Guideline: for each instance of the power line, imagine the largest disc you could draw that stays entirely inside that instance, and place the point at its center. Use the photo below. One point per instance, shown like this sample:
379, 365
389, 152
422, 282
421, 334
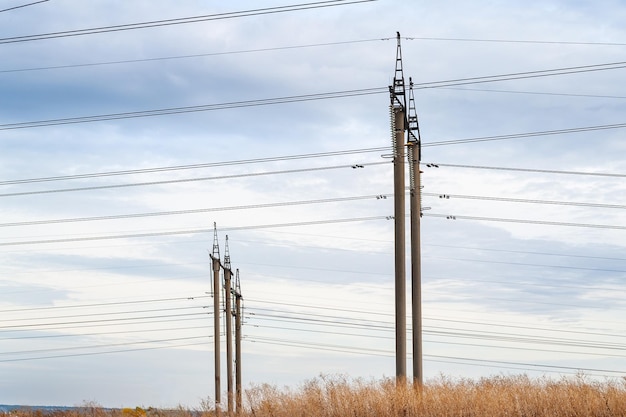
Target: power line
446, 342
73, 355
194, 231
182, 180
312, 45
310, 97
521, 200
108, 313
194, 211
168, 58
23, 5
540, 171
106, 333
370, 351
115, 322
422, 38
522, 75
526, 221
92, 322
192, 109
529, 252
176, 339
306, 223
116, 303
542, 93
183, 20
527, 134
462, 322
196, 166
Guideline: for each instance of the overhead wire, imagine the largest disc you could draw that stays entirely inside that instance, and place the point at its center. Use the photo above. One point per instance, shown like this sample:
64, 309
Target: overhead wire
195, 211
312, 45
528, 41
23, 5
183, 20
526, 135
197, 166
539, 93
195, 231
193, 109
521, 75
108, 345
380, 352
106, 333
201, 55
74, 355
526, 221
104, 304
119, 320
445, 196
309, 223
187, 180
309, 97
530, 170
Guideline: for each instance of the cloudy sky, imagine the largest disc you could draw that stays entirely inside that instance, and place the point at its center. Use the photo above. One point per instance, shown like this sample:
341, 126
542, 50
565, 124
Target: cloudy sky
128, 128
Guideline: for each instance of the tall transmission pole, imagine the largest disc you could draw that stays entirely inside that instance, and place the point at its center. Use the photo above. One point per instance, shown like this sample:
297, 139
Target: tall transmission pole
229, 326
238, 314
215, 258
414, 154
397, 110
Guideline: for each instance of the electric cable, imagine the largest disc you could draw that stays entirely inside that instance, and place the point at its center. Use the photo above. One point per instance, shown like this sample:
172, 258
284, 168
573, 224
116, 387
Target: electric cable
539, 93
139, 342
108, 313
187, 180
91, 322
525, 221
312, 97
361, 350
107, 333
522, 200
530, 170
200, 55
522, 75
423, 38
183, 20
197, 166
196, 231
74, 355
193, 109
103, 304
23, 5
526, 135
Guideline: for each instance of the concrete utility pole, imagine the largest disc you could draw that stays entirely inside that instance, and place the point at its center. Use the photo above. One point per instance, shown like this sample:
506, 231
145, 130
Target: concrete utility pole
415, 204
400, 256
215, 257
398, 107
238, 313
229, 326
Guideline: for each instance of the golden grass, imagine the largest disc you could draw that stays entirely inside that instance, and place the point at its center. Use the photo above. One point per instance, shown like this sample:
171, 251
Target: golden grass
342, 397
488, 397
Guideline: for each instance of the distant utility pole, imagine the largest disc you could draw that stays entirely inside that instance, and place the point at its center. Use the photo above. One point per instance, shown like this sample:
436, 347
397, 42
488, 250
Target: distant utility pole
397, 110
229, 326
415, 149
238, 313
215, 258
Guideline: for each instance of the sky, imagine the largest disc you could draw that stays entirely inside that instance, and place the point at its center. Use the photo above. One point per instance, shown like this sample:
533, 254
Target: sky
121, 147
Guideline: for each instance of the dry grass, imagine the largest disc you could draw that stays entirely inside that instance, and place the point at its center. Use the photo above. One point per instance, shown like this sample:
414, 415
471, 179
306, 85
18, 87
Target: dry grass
490, 397
341, 397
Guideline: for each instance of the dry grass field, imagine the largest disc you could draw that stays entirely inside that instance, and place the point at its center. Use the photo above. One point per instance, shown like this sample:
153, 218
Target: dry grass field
490, 397
340, 397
